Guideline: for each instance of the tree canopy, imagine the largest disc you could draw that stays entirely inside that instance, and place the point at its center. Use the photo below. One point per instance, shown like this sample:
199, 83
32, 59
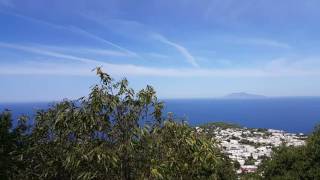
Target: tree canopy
113, 133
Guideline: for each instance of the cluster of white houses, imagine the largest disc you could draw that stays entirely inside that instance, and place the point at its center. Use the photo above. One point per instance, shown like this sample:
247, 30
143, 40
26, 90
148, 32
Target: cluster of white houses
250, 146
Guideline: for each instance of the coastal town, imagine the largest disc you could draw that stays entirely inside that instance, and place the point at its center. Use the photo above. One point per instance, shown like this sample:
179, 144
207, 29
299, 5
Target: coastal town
249, 146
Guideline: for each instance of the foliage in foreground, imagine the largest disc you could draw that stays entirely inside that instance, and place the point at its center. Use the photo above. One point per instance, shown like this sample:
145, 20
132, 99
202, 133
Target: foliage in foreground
295, 162
114, 133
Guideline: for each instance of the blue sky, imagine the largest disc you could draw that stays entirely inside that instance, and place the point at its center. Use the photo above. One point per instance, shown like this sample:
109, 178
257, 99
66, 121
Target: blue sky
184, 48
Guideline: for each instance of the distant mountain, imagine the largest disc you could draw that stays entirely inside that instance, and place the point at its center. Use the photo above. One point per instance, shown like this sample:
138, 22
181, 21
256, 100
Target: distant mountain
243, 95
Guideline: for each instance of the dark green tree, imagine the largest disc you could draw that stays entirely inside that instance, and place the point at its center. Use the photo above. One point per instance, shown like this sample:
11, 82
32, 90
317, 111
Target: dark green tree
114, 133
301, 162
285, 163
176, 151
12, 143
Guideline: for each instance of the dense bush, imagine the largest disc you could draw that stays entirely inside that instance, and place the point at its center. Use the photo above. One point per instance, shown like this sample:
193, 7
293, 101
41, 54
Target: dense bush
114, 133
295, 162
12, 145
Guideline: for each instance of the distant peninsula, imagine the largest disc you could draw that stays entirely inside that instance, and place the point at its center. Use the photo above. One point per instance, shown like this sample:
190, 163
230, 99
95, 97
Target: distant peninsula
243, 95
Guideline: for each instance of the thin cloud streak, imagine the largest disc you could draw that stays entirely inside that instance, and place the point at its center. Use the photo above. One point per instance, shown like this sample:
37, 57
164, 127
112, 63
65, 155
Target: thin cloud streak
88, 50
106, 52
275, 68
184, 52
77, 30
84, 69
100, 39
134, 70
157, 55
145, 30
120, 70
45, 52
262, 42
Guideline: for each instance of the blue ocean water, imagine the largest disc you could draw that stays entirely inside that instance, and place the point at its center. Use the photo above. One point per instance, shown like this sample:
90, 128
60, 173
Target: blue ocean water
19, 109
289, 114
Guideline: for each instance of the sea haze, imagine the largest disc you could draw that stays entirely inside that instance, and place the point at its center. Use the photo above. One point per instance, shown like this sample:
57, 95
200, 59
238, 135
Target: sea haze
289, 114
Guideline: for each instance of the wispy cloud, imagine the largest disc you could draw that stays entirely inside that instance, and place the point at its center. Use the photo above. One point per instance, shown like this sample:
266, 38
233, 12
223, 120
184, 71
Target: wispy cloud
127, 26
86, 50
78, 31
82, 66
42, 51
294, 64
183, 51
41, 68
106, 52
36, 68
100, 39
261, 42
157, 55
120, 70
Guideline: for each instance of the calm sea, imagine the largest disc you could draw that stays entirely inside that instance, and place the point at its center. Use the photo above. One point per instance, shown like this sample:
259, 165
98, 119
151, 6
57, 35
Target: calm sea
289, 114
